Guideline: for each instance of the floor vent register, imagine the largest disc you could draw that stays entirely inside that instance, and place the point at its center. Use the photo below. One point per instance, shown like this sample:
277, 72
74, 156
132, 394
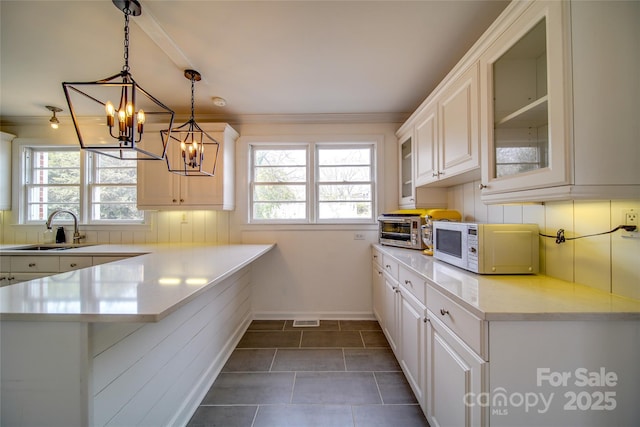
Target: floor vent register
306, 323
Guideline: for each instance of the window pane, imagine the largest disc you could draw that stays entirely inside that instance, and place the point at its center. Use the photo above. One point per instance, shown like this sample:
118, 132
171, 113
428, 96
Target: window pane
280, 174
116, 176
344, 192
344, 173
280, 157
345, 210
279, 211
117, 212
342, 156
40, 211
56, 176
279, 193
54, 194
56, 159
117, 201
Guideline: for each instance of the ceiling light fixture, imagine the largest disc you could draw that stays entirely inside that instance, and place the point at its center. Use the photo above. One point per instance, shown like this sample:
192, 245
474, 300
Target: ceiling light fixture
90, 103
219, 102
191, 140
53, 121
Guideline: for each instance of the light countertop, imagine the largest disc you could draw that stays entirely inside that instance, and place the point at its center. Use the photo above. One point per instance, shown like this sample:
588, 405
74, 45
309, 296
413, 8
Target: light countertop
149, 285
516, 297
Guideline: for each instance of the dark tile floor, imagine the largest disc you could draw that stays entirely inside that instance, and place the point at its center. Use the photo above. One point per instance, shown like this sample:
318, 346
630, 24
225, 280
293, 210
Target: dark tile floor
341, 373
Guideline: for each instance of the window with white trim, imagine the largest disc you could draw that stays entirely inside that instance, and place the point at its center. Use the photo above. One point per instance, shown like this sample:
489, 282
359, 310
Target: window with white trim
98, 189
312, 182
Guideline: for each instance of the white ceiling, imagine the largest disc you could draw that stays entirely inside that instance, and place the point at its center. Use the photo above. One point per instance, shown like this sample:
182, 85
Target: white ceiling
275, 58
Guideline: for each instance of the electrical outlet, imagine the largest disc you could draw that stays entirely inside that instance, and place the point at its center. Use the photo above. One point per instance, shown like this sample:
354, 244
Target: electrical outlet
630, 217
358, 236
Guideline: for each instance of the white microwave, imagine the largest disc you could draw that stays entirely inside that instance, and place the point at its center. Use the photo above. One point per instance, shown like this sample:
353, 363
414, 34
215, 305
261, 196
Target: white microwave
488, 248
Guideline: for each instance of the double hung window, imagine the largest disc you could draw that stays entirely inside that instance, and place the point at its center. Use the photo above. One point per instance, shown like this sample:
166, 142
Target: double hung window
98, 189
312, 182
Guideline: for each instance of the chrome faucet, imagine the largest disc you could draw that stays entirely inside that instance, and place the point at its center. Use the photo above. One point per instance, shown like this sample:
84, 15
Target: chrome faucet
76, 234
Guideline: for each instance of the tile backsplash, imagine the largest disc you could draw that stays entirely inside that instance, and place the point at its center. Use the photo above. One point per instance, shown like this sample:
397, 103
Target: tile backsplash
163, 227
609, 262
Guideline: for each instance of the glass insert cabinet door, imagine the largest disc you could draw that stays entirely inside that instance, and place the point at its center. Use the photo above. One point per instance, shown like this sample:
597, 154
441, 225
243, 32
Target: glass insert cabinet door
520, 106
526, 118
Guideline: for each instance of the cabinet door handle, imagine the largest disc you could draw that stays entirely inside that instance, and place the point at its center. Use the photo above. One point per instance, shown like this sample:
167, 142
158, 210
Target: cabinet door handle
379, 273
408, 282
32, 264
73, 264
181, 200
175, 200
481, 186
388, 267
426, 319
444, 312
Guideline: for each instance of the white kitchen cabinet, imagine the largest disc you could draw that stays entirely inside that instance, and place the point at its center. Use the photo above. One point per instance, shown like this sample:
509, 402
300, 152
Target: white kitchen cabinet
159, 189
70, 263
454, 372
561, 102
5, 170
427, 145
378, 286
412, 341
447, 133
410, 195
20, 268
503, 368
458, 123
391, 303
407, 185
16, 269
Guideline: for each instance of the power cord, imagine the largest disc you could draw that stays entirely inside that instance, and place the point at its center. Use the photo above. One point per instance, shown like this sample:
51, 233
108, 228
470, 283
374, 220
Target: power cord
561, 239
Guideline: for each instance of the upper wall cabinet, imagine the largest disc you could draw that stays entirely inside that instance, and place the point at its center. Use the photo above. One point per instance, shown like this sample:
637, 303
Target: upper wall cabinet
527, 132
447, 133
558, 101
560, 119
407, 185
5, 170
411, 196
159, 189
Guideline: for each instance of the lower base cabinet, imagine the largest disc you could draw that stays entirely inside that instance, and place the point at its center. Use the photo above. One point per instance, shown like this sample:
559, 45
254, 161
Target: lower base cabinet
412, 341
580, 370
454, 378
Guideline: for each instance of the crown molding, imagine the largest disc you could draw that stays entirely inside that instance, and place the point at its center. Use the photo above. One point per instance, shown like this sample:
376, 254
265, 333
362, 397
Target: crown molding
239, 119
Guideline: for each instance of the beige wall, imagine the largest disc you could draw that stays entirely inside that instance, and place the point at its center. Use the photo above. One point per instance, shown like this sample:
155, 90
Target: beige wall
609, 262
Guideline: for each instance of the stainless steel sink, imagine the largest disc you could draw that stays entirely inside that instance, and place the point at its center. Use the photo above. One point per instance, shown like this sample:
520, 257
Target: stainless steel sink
52, 247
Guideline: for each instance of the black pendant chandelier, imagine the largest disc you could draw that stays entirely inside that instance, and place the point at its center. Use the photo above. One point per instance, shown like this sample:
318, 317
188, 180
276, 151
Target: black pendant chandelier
122, 105
186, 154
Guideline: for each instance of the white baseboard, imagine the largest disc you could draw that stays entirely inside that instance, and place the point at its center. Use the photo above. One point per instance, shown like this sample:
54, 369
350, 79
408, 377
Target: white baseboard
306, 315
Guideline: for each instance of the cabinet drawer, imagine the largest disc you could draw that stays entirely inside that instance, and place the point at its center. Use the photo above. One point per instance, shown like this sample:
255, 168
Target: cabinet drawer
390, 266
464, 324
413, 283
68, 263
376, 256
31, 264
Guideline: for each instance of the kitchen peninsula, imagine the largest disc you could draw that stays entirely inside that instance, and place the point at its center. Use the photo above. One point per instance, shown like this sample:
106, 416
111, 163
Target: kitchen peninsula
136, 341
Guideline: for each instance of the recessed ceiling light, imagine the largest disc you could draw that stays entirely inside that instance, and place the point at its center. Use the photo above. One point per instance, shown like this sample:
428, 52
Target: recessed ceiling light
219, 102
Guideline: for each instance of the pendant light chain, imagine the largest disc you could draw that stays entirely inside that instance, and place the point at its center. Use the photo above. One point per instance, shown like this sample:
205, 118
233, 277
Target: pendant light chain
125, 67
193, 78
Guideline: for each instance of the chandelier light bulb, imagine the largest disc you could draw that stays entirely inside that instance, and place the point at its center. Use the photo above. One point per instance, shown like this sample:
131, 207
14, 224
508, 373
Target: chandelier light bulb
111, 112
